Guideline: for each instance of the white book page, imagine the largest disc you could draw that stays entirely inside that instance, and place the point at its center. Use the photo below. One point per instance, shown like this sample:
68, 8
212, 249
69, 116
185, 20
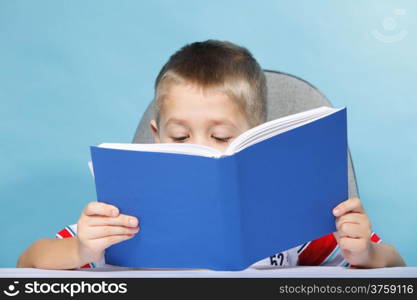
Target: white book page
277, 126
190, 149
91, 168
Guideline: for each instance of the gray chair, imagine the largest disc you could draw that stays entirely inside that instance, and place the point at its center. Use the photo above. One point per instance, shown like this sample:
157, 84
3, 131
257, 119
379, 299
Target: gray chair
287, 94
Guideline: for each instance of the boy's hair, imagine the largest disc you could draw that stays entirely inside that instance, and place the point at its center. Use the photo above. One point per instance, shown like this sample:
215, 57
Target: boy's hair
220, 66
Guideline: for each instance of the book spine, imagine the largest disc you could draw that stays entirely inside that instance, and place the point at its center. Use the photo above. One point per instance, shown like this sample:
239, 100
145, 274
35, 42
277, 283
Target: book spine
231, 214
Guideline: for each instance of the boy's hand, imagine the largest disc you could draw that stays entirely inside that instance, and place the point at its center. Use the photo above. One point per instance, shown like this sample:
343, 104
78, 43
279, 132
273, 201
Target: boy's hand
353, 231
100, 226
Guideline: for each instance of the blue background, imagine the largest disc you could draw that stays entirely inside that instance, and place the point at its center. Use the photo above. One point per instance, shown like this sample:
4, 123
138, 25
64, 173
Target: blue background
78, 73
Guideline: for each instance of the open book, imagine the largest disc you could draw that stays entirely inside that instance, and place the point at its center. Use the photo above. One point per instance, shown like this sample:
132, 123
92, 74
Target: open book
272, 189
246, 139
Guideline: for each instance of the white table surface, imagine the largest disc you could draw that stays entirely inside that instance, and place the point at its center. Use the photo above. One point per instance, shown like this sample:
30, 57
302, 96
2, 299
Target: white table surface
292, 272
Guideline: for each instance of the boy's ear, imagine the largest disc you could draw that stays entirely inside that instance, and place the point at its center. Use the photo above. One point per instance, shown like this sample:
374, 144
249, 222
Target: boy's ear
154, 129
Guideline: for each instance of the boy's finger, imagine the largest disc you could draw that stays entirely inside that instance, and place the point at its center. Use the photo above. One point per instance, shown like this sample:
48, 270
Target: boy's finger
351, 218
336, 236
351, 244
120, 220
352, 230
350, 205
102, 209
97, 232
114, 239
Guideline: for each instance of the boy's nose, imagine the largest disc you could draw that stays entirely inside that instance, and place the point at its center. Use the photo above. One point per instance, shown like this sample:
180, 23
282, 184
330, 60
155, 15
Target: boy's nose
200, 141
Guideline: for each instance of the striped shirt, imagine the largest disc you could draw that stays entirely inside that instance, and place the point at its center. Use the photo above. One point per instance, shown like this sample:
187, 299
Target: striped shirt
323, 251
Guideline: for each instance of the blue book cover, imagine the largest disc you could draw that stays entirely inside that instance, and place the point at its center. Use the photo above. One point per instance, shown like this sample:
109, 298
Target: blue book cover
226, 213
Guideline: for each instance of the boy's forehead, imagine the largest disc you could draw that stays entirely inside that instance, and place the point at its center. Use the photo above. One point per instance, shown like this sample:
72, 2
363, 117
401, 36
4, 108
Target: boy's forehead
183, 103
189, 95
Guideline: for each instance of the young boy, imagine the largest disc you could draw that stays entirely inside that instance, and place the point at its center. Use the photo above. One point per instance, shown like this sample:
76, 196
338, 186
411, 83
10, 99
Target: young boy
209, 93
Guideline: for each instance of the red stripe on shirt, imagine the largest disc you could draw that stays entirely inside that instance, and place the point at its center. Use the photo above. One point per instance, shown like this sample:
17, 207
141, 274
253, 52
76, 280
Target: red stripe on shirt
317, 251
86, 266
375, 238
65, 233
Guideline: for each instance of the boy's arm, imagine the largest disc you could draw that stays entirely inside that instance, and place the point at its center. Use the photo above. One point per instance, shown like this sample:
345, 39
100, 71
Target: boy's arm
100, 226
381, 255
52, 254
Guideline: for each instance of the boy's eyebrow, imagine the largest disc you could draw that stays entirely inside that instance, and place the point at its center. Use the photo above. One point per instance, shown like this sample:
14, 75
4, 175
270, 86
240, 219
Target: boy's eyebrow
176, 121
213, 121
223, 121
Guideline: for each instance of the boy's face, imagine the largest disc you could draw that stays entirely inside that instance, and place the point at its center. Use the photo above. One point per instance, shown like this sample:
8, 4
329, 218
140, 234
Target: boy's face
188, 115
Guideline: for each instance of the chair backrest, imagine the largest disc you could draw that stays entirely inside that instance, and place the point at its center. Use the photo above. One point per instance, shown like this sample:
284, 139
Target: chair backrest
287, 94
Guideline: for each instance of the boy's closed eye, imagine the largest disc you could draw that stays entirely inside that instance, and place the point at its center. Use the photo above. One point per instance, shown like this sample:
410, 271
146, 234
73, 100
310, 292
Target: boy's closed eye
179, 139
222, 139
217, 138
